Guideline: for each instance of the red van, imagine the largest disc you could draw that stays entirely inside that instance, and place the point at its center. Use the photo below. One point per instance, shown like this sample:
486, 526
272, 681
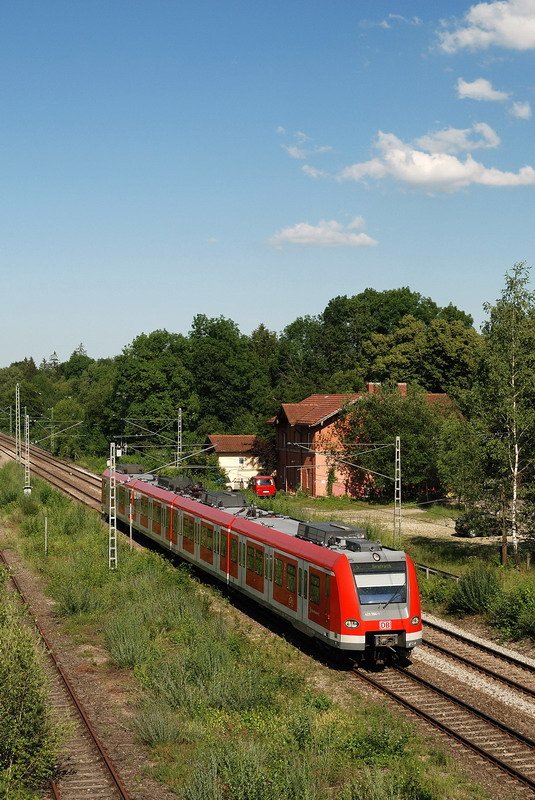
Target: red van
263, 486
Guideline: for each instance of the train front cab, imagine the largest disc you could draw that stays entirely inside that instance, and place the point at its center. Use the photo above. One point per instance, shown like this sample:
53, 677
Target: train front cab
380, 604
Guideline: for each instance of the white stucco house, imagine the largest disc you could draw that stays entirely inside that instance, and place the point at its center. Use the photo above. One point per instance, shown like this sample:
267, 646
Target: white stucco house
235, 458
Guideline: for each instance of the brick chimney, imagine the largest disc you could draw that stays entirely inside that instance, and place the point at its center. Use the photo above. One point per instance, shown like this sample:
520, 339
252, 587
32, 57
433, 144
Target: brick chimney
374, 388
402, 389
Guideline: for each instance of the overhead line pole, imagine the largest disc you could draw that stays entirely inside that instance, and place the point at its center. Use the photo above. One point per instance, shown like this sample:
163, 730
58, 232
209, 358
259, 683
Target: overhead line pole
27, 484
179, 437
397, 495
17, 424
112, 512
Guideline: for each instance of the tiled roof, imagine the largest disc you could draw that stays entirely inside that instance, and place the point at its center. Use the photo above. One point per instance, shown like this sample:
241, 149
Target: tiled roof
318, 407
232, 444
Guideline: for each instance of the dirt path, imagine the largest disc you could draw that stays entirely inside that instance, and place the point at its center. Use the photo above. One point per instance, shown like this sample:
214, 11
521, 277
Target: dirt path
413, 521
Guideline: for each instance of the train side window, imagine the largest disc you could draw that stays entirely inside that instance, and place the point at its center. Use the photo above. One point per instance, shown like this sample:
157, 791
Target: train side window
268, 566
176, 523
300, 582
207, 536
305, 584
224, 548
290, 578
279, 567
157, 513
188, 528
315, 590
250, 558
259, 562
234, 551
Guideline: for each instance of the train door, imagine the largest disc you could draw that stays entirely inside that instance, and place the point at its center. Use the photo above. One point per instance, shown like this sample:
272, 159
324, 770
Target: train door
285, 578
144, 513
166, 528
229, 555
206, 537
319, 589
188, 534
156, 518
176, 528
121, 502
254, 566
302, 590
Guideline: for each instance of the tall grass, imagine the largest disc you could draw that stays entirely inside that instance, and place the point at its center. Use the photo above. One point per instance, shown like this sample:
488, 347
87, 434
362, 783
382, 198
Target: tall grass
229, 716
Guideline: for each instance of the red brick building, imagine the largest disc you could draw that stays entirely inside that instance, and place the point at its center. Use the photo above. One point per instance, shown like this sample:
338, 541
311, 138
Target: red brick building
305, 434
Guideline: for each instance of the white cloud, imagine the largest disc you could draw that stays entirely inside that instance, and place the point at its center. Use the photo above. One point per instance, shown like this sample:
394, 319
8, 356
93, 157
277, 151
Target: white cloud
300, 150
280, 130
505, 23
294, 151
521, 110
480, 89
308, 169
391, 18
457, 140
435, 171
327, 233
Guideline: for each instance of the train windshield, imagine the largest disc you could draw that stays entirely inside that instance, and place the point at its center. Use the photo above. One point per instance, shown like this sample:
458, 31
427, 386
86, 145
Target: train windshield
380, 582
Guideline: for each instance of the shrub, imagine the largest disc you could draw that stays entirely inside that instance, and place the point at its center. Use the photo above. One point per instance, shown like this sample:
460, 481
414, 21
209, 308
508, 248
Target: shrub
156, 724
513, 612
28, 741
476, 591
437, 590
127, 639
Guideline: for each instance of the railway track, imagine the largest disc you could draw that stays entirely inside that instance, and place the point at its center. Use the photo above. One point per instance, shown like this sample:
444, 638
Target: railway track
504, 747
511, 751
85, 768
500, 665
75, 482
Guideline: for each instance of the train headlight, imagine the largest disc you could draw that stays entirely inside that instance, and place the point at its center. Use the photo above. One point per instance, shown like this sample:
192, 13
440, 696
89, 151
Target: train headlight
351, 623
415, 620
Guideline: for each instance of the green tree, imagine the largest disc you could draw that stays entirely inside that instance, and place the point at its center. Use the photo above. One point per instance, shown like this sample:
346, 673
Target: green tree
440, 355
505, 391
461, 459
228, 376
376, 421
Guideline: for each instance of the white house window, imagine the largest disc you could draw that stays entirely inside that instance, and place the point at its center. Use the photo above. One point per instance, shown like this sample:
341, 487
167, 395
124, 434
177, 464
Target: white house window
241, 461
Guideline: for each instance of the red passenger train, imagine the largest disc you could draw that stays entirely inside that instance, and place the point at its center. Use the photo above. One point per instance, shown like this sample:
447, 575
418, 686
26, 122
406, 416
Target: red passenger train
326, 579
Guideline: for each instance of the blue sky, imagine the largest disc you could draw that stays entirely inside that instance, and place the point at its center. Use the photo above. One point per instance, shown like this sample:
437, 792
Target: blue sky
255, 159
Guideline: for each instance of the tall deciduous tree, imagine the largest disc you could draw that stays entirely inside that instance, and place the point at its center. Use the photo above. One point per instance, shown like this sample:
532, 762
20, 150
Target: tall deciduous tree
376, 420
506, 389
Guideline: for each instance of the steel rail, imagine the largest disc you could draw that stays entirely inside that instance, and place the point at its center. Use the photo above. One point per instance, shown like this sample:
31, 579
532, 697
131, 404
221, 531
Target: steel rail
509, 658
504, 766
71, 691
481, 668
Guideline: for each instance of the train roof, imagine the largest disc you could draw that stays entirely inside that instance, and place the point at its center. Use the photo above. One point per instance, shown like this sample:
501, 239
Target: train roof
322, 543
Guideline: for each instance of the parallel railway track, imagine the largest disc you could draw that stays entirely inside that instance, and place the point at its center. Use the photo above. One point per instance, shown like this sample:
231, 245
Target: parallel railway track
74, 481
512, 751
509, 750
85, 770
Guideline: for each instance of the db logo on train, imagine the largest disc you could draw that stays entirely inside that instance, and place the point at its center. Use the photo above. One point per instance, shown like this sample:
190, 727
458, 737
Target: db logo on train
385, 625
